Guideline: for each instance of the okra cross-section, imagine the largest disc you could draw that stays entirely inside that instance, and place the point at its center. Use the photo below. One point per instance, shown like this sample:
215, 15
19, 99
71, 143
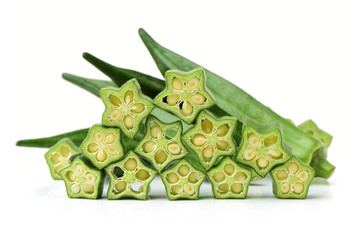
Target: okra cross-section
211, 138
229, 180
185, 94
129, 178
311, 128
82, 180
182, 181
58, 157
262, 147
161, 143
102, 146
125, 107
292, 179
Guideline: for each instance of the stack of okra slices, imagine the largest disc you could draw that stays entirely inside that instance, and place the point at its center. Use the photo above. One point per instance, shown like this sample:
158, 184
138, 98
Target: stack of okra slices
192, 126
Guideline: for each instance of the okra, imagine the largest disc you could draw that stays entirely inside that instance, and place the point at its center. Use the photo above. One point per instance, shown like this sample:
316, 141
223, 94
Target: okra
58, 157
229, 180
292, 179
211, 138
102, 146
262, 147
182, 181
125, 107
161, 143
82, 180
235, 101
311, 128
129, 178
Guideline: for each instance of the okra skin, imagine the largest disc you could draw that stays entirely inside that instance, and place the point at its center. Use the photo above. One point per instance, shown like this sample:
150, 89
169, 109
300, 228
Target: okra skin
310, 127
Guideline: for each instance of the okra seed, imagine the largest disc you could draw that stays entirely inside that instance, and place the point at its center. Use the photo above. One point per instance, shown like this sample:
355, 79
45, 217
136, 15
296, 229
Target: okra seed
93, 147
262, 162
114, 100
149, 146
240, 177
120, 186
177, 84
303, 175
189, 189
79, 170
199, 139
90, 177
254, 141
110, 138
130, 164
193, 84
75, 188
172, 178
172, 99
101, 155
187, 108
155, 131
207, 152
55, 158
58, 168
292, 168
115, 115
193, 177
229, 169
64, 151
128, 96
176, 189
138, 108
88, 188
142, 174
281, 175
206, 126
236, 188
71, 176
174, 148
285, 187
249, 154
270, 140
222, 145
112, 150
197, 99
129, 121
298, 187
275, 153
160, 156
184, 170
222, 130
99, 137
223, 187
141, 188
219, 176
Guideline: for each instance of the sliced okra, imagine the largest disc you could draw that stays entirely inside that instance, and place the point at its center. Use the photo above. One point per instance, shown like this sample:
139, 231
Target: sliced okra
185, 94
262, 147
229, 180
311, 128
211, 138
182, 181
125, 107
58, 157
129, 178
292, 179
82, 180
161, 143
102, 146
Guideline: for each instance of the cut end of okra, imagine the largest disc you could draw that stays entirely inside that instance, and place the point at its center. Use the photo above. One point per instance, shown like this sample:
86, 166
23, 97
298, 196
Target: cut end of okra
125, 107
102, 146
229, 180
185, 94
292, 179
82, 180
161, 143
129, 178
58, 157
182, 181
211, 138
311, 128
262, 147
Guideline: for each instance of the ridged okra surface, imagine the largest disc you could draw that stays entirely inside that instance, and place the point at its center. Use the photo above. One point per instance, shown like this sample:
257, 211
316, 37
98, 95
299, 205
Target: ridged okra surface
229, 180
185, 94
58, 157
182, 181
161, 143
82, 180
262, 147
125, 107
311, 128
211, 138
292, 179
102, 146
129, 178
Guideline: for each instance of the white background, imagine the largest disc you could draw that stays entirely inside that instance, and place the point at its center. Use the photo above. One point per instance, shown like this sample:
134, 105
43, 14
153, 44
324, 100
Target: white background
298, 57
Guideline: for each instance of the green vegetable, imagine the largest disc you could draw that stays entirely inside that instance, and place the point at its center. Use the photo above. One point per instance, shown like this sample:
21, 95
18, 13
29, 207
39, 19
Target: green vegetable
229, 180
182, 181
58, 157
262, 147
185, 94
311, 128
129, 178
125, 107
211, 138
292, 179
102, 146
82, 180
235, 101
161, 143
